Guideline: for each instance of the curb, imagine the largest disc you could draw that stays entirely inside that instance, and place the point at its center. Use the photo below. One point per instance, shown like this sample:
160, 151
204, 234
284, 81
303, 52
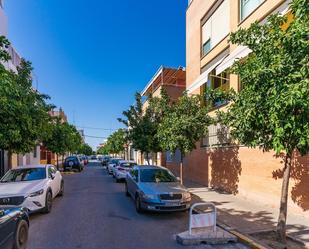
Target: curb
244, 238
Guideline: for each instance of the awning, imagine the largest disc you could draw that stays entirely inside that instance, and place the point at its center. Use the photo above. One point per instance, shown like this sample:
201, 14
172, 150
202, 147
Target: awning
203, 78
238, 53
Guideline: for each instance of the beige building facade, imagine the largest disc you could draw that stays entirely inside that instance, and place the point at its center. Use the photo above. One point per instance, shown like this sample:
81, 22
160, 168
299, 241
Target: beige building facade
173, 81
216, 162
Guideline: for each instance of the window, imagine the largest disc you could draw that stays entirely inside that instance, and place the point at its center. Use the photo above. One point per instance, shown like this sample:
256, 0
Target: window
51, 171
247, 7
24, 175
206, 47
134, 174
220, 81
218, 135
211, 34
157, 175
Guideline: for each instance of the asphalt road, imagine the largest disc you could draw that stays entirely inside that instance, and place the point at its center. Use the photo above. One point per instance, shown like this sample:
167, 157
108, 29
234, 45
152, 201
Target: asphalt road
94, 213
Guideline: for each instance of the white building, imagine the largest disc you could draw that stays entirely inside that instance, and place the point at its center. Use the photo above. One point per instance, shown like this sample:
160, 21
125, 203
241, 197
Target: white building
29, 158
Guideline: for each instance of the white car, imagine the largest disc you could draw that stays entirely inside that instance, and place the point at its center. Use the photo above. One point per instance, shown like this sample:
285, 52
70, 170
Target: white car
112, 163
31, 187
122, 168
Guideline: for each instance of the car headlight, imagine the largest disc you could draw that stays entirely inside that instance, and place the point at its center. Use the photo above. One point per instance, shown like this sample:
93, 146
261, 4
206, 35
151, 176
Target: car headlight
186, 195
36, 193
150, 197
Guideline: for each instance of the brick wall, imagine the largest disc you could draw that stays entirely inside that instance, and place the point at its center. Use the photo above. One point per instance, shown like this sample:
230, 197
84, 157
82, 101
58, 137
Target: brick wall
249, 172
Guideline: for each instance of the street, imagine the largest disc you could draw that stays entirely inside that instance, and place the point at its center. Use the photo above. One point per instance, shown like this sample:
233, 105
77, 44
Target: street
95, 213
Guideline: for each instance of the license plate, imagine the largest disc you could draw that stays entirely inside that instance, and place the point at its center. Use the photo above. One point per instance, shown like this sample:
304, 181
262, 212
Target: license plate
172, 204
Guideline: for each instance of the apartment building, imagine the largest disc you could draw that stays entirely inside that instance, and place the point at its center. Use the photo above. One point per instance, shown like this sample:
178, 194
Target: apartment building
12, 64
217, 162
173, 81
46, 156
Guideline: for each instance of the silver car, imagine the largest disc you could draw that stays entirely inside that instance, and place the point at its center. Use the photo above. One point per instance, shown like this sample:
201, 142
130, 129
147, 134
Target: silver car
155, 188
112, 163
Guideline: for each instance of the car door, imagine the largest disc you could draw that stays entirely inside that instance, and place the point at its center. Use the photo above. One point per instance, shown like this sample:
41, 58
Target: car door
133, 181
7, 229
57, 178
52, 181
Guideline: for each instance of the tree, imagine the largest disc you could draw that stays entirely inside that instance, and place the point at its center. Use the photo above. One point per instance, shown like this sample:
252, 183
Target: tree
62, 138
143, 124
104, 150
116, 141
85, 149
272, 110
185, 124
23, 111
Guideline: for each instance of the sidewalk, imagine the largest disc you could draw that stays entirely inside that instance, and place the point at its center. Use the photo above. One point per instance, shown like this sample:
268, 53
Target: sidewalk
249, 217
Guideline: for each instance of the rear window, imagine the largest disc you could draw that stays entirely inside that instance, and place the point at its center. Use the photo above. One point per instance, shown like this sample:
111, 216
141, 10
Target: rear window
127, 165
72, 158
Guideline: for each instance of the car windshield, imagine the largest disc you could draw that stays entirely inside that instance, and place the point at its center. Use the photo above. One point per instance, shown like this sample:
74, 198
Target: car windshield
127, 165
24, 175
157, 175
114, 161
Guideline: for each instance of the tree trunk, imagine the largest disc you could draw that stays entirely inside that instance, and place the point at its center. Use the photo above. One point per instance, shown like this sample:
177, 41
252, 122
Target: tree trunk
181, 168
147, 158
281, 226
10, 159
57, 161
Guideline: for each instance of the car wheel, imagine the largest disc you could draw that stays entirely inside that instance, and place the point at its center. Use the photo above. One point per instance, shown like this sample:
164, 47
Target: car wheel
79, 169
21, 235
117, 180
61, 192
126, 190
138, 204
48, 203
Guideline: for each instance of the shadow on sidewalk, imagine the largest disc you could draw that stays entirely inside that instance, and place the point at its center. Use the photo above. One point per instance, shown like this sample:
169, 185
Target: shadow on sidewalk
252, 222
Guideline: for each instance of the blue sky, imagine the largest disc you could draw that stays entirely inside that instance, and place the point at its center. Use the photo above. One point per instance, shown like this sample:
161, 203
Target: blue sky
92, 56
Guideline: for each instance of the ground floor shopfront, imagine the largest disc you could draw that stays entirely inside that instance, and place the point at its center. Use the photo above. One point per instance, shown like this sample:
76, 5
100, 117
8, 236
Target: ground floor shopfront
252, 173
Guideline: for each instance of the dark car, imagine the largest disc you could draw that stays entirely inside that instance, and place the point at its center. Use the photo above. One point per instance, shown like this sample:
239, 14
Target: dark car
105, 160
71, 163
14, 226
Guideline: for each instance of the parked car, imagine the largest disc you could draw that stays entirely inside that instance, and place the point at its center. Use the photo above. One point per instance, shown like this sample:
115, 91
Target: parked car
105, 160
14, 227
73, 162
112, 163
83, 159
155, 188
122, 168
32, 187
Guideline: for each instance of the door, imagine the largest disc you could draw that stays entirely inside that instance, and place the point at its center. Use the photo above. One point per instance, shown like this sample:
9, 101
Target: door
53, 180
133, 182
7, 229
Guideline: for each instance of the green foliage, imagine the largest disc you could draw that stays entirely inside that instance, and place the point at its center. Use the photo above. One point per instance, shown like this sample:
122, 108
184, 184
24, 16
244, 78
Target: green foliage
23, 111
185, 123
104, 150
143, 124
272, 110
63, 138
85, 149
115, 143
